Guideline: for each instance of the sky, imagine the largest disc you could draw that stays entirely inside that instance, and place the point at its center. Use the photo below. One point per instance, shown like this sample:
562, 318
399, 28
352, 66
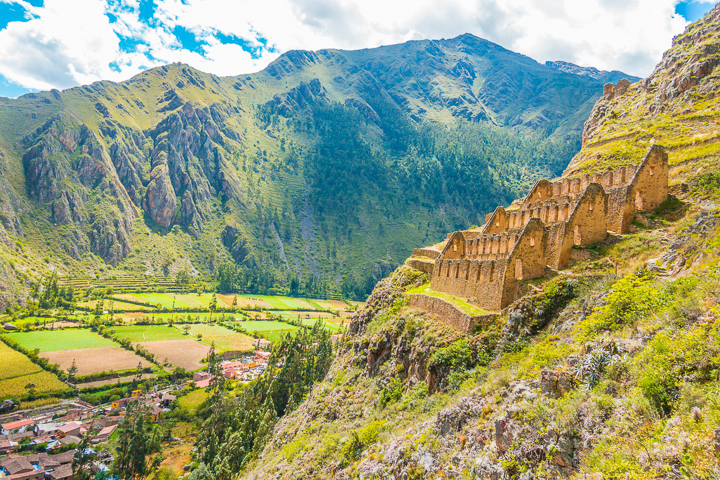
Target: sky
47, 44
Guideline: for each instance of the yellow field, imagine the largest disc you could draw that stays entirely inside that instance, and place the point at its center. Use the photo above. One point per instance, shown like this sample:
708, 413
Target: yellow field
15, 364
42, 382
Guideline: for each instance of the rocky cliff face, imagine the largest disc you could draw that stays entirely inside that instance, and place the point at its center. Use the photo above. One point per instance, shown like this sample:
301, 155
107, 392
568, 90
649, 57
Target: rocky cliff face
68, 170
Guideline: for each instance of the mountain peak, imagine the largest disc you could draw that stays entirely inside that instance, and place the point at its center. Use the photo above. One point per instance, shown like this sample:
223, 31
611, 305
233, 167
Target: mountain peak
591, 72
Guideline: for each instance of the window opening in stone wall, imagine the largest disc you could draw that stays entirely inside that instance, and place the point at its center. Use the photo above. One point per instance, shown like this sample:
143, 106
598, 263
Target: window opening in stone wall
457, 271
492, 271
447, 272
518, 269
639, 201
592, 206
532, 241
578, 235
652, 171
467, 272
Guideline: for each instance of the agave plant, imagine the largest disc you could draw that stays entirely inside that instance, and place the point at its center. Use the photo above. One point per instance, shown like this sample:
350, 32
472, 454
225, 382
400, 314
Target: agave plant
599, 356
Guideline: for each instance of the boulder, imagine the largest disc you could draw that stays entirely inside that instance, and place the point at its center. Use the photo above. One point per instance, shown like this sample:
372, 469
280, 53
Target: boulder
556, 383
10, 327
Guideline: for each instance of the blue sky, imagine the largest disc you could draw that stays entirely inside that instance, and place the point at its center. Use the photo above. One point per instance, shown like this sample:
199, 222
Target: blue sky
62, 43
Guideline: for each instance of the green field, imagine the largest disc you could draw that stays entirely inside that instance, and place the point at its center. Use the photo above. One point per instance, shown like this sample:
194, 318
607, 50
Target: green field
148, 333
163, 299
57, 340
36, 383
223, 338
271, 330
309, 319
202, 301
193, 400
309, 322
15, 364
312, 303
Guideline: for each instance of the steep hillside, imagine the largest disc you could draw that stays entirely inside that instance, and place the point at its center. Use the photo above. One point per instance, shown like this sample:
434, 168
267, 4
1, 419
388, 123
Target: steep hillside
676, 106
327, 166
605, 369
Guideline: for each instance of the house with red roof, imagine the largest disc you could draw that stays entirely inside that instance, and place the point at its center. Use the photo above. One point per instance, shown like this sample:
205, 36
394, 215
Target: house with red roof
15, 427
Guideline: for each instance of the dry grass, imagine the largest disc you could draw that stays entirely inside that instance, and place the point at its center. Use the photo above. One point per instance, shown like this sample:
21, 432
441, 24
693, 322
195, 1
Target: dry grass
186, 354
96, 360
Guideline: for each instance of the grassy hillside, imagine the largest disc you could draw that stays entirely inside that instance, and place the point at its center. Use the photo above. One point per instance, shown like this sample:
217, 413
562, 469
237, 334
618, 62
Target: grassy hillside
319, 173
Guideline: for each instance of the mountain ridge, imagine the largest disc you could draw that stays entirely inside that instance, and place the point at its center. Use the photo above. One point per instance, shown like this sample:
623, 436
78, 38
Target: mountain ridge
288, 157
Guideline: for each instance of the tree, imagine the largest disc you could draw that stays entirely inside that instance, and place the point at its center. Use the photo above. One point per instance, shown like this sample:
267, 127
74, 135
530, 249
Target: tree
213, 303
82, 464
183, 277
137, 440
72, 371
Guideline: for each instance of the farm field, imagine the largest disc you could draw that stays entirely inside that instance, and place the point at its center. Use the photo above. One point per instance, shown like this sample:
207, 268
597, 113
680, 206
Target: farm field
147, 333
114, 381
163, 299
269, 329
334, 328
194, 399
224, 338
55, 340
332, 323
186, 353
41, 382
117, 305
96, 360
244, 300
42, 322
15, 364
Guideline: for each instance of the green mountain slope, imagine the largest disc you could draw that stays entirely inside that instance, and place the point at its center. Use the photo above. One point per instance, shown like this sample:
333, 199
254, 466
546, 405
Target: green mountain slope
326, 167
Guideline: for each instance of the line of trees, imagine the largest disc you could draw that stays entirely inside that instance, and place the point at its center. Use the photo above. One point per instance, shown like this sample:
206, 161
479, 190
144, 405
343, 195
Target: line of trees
235, 430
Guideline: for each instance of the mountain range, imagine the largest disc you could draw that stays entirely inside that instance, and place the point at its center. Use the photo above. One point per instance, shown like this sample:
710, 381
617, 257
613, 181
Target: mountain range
326, 167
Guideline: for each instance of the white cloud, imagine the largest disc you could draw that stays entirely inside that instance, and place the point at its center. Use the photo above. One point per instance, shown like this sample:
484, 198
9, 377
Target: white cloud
72, 41
66, 42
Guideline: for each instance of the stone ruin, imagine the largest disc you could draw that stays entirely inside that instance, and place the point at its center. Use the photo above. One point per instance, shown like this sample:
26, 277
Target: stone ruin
610, 90
485, 265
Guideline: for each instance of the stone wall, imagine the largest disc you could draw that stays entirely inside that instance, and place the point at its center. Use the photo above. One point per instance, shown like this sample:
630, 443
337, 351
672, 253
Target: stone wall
485, 265
646, 188
423, 266
480, 281
426, 252
491, 283
449, 313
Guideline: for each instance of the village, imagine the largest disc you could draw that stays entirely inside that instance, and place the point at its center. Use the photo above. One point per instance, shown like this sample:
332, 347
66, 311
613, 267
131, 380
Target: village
40, 444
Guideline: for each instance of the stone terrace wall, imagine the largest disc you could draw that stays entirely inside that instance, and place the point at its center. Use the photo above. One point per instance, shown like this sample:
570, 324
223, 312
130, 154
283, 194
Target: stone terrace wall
426, 252
421, 265
448, 312
481, 281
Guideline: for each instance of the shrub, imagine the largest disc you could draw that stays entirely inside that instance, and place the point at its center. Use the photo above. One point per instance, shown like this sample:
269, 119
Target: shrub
391, 392
632, 297
361, 439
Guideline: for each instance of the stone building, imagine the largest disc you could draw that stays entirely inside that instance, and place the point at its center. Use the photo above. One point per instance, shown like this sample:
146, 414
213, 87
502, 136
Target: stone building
485, 265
